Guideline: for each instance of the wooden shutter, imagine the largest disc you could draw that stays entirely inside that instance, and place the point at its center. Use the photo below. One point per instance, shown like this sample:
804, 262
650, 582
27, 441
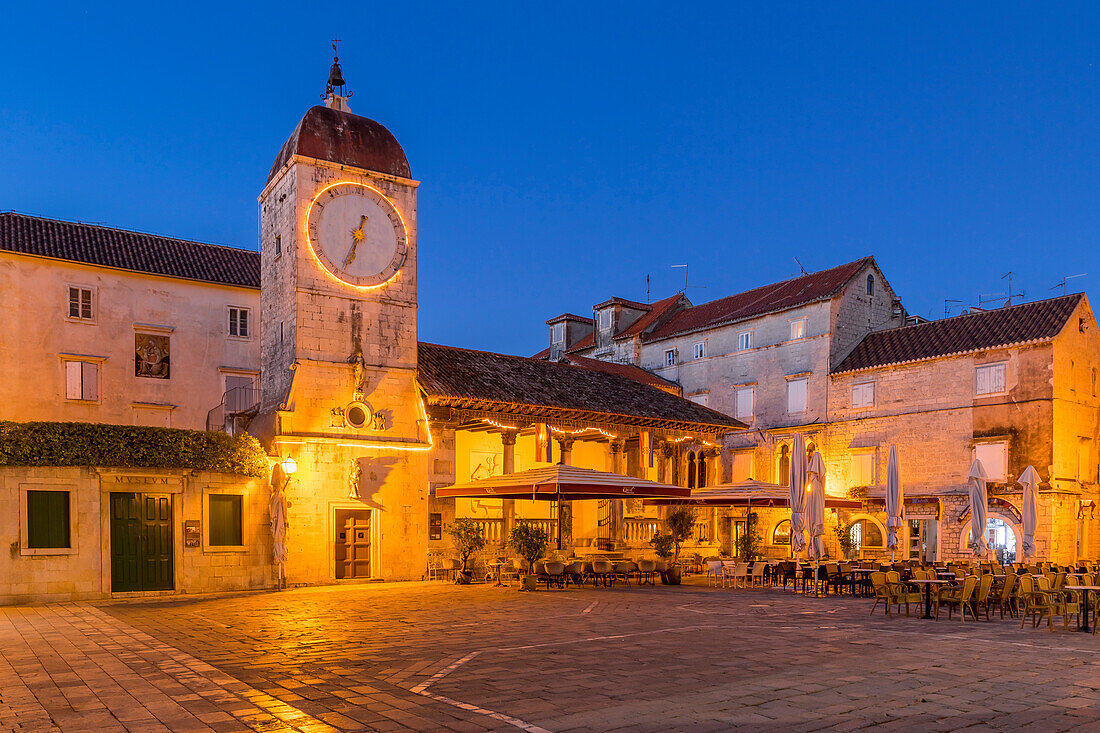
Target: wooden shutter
73, 380
89, 379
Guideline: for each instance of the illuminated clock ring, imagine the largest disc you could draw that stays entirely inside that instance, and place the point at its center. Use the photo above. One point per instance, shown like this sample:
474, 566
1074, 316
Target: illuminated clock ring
356, 234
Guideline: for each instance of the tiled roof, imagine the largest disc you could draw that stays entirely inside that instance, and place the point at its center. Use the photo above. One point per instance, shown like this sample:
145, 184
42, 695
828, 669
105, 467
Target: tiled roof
627, 370
624, 302
345, 138
657, 313
126, 250
758, 301
1017, 324
569, 317
462, 377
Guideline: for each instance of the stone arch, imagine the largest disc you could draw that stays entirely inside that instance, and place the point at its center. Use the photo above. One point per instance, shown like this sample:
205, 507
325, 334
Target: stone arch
873, 520
783, 464
1009, 520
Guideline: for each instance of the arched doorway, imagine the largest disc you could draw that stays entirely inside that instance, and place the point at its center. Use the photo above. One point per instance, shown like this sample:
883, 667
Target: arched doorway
1001, 534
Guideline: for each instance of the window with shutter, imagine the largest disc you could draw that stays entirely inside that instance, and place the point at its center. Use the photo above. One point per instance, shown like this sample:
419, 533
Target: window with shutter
742, 466
863, 469
81, 380
744, 341
47, 519
239, 322
746, 398
796, 396
994, 459
863, 395
989, 379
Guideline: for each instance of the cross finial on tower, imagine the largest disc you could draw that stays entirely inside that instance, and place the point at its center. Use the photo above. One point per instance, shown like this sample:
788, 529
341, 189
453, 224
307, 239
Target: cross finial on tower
333, 98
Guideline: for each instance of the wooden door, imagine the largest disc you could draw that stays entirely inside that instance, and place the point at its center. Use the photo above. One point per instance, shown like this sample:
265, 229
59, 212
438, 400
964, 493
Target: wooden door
353, 543
141, 542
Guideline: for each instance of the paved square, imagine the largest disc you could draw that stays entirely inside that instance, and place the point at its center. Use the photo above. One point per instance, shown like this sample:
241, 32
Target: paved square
441, 657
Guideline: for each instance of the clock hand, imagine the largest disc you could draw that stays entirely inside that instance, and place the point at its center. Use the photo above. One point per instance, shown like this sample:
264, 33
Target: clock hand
357, 236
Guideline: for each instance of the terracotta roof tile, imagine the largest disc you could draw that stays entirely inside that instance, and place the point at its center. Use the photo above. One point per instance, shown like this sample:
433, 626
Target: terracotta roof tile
345, 138
627, 370
126, 250
758, 301
658, 312
452, 376
1017, 324
569, 317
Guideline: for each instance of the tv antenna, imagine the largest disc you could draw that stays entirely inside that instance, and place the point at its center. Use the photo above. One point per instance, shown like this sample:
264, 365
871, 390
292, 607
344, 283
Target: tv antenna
686, 286
800, 267
948, 303
1011, 295
1062, 283
647, 288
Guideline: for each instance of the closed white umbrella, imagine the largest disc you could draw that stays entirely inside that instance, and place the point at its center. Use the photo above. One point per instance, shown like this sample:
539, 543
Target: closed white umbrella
798, 493
978, 506
1030, 481
815, 506
895, 501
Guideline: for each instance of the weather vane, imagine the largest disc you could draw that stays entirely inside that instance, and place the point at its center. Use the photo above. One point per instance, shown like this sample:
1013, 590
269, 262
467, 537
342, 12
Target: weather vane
336, 75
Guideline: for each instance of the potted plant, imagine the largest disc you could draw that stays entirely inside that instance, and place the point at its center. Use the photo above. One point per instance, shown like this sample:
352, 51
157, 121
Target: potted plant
662, 544
530, 543
843, 532
680, 523
748, 544
467, 539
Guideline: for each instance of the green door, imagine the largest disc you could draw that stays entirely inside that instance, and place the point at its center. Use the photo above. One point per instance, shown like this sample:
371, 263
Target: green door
141, 542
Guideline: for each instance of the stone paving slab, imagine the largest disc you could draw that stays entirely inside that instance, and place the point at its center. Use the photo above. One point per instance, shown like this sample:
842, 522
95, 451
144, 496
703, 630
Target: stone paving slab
438, 657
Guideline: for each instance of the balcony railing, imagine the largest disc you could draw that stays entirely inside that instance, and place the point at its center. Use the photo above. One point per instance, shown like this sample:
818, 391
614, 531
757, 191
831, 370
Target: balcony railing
493, 529
237, 407
640, 531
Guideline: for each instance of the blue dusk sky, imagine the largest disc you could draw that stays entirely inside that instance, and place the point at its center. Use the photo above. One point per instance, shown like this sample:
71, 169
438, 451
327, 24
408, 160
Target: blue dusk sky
568, 150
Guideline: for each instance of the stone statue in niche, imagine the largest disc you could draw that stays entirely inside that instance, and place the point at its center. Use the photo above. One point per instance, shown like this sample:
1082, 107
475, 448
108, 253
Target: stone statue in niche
358, 364
354, 477
151, 356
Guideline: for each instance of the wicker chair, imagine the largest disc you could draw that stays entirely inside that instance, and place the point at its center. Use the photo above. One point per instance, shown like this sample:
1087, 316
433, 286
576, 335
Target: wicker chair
881, 591
900, 592
961, 595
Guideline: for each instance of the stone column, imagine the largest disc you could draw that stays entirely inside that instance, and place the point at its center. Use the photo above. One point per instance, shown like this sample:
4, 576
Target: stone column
565, 508
659, 458
566, 446
717, 473
508, 506
617, 458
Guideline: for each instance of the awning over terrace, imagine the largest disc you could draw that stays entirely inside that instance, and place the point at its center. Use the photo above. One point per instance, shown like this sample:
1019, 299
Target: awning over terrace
563, 483
748, 493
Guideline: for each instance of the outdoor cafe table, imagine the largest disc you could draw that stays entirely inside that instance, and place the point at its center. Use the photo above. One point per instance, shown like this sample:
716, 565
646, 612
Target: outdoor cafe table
864, 582
496, 566
1084, 625
928, 594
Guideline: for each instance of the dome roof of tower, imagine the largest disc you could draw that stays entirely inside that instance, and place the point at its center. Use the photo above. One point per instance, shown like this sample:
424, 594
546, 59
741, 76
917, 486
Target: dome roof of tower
344, 138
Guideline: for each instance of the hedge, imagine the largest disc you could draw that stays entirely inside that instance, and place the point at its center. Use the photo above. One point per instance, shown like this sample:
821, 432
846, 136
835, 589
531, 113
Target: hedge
128, 446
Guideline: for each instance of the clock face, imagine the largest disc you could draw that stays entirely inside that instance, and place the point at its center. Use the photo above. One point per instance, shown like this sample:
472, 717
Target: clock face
357, 234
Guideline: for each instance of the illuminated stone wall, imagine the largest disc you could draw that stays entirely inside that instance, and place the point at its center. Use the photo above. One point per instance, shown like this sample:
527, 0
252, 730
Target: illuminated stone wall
83, 571
36, 332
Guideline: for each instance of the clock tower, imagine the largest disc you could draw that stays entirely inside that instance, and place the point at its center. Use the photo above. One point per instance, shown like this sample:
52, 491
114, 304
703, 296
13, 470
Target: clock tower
338, 306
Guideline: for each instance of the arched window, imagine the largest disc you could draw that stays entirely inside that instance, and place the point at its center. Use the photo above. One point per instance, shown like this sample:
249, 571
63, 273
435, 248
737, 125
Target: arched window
781, 535
866, 533
783, 467
701, 472
870, 284
691, 469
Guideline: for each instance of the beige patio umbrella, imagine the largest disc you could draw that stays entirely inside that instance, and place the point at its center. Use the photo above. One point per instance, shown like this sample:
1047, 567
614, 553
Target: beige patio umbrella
798, 493
895, 501
1029, 480
978, 506
560, 483
815, 512
815, 507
